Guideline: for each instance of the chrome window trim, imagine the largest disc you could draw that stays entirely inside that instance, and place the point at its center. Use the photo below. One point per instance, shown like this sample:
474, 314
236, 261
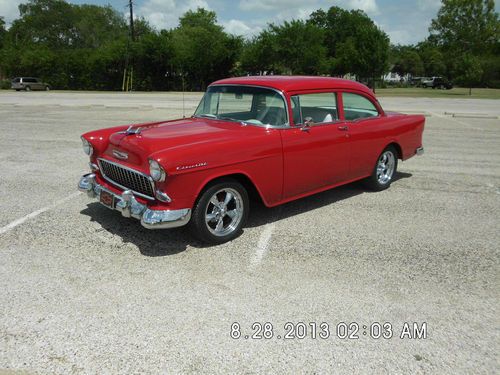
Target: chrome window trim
363, 119
281, 93
124, 187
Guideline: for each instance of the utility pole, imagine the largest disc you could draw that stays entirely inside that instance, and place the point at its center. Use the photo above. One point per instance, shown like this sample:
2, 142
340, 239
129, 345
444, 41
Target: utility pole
128, 72
132, 33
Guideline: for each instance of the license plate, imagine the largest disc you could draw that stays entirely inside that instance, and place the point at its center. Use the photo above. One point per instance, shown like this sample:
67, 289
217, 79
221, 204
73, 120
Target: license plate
107, 199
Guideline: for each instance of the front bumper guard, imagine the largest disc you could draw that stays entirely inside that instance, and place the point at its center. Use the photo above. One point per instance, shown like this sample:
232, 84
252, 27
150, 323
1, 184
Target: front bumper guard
130, 207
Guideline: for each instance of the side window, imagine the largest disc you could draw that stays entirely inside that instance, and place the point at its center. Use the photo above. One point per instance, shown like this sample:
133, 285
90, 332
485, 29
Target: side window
357, 106
320, 108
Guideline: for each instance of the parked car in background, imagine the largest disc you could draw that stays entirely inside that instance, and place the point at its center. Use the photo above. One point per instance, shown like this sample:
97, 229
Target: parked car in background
275, 138
418, 81
28, 84
437, 83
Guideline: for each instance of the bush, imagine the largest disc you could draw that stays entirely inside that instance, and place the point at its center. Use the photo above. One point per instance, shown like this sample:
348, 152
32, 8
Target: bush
4, 84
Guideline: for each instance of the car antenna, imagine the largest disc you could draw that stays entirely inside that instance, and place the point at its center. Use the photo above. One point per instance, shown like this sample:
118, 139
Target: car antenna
183, 88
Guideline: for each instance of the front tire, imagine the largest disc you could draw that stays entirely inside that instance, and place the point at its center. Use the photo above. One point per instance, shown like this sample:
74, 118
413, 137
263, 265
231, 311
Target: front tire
28, 88
384, 171
220, 212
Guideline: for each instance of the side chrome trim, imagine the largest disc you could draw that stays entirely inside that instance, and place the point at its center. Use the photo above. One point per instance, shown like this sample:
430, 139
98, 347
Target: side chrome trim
124, 187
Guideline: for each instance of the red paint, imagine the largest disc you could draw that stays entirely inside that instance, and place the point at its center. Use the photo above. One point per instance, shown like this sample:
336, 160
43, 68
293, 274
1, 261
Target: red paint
282, 163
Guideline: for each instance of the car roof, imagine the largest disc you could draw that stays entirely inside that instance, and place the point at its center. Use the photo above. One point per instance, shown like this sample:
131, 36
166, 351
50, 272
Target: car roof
294, 83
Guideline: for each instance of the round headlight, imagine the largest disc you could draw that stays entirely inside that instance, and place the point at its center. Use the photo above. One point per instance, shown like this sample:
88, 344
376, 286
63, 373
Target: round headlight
156, 171
87, 147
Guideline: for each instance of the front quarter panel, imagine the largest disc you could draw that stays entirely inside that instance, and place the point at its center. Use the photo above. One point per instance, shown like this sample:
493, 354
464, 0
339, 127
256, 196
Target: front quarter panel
256, 154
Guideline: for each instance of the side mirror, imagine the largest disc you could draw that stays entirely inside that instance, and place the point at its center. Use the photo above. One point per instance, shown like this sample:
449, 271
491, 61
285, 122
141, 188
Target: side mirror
308, 122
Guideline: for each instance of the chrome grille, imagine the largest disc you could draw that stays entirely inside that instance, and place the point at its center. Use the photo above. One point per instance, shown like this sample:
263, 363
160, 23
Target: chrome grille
127, 178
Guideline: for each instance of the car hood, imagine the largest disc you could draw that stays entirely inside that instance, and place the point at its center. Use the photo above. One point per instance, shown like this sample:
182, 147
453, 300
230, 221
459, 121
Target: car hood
177, 138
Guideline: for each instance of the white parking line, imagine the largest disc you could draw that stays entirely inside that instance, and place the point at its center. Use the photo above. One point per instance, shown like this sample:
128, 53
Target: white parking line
468, 126
21, 220
263, 245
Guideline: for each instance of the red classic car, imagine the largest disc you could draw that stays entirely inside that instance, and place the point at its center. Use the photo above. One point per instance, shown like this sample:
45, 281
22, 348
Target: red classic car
281, 138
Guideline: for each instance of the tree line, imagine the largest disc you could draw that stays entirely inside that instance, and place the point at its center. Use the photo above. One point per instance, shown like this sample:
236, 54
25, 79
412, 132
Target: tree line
87, 46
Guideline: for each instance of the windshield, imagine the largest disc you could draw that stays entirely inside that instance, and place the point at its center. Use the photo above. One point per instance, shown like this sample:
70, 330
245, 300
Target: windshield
253, 105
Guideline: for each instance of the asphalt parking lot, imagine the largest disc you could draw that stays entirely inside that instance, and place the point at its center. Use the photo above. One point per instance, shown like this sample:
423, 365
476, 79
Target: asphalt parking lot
84, 290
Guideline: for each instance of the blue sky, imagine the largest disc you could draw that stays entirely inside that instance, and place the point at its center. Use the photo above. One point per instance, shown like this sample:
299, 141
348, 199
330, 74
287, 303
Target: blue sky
404, 21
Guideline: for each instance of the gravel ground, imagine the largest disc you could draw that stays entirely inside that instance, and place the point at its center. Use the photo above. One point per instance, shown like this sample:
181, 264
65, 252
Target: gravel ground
84, 290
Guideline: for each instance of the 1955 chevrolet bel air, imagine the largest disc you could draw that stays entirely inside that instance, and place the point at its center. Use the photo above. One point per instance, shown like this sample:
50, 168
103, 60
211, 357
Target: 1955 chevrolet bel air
278, 137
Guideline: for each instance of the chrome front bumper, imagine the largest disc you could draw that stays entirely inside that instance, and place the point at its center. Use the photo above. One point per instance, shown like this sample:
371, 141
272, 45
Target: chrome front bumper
130, 207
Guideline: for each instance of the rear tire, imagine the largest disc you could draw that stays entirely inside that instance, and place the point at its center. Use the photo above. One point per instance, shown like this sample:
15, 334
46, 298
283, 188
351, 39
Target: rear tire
220, 212
47, 88
384, 170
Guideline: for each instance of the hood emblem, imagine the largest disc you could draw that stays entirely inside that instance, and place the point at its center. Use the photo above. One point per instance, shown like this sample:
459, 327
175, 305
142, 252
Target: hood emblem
120, 155
132, 130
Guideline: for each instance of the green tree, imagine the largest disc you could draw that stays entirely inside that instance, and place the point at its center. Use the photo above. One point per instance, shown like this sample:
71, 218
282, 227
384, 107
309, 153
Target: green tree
3, 31
466, 26
469, 71
63, 44
432, 59
152, 56
255, 57
45, 22
295, 47
354, 42
406, 60
203, 52
467, 32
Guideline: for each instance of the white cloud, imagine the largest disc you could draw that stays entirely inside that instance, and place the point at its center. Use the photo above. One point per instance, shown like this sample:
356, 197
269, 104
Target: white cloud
369, 6
266, 5
164, 14
425, 5
400, 36
238, 27
9, 9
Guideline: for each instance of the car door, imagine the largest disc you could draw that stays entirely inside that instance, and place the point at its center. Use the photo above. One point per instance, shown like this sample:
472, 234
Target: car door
38, 84
367, 131
316, 146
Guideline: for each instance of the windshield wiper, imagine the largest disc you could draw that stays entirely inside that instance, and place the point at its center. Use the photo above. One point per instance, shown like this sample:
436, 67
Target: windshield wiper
206, 115
209, 115
228, 118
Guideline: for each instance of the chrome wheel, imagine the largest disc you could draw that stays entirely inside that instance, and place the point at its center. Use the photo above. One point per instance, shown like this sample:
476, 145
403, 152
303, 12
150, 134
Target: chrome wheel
385, 167
224, 212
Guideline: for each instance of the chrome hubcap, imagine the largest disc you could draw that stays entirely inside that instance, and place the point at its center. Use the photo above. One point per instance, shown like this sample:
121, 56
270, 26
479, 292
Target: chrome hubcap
224, 212
385, 167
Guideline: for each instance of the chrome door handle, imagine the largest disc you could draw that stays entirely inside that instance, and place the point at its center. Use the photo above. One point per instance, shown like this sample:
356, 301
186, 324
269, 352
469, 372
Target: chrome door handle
343, 128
